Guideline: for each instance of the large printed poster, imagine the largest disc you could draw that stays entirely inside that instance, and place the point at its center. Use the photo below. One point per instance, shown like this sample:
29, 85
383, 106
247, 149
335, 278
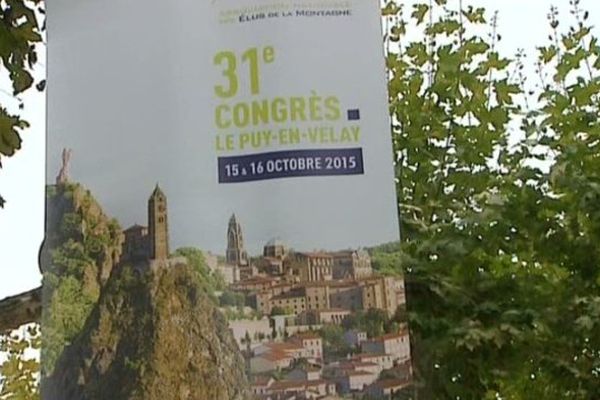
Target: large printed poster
221, 203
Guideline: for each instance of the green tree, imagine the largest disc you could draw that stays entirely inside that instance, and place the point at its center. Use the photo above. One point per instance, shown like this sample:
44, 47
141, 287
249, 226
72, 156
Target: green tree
231, 298
567, 223
277, 310
374, 322
210, 281
500, 255
20, 33
18, 373
334, 344
387, 258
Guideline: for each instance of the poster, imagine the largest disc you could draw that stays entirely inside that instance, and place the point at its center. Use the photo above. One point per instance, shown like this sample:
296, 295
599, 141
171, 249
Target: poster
220, 192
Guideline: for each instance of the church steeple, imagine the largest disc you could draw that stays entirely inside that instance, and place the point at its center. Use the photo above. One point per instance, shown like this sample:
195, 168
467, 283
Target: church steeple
236, 254
158, 227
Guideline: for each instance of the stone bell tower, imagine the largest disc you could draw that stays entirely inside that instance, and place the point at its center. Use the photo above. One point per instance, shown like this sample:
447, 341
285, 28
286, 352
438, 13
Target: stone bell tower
236, 254
158, 227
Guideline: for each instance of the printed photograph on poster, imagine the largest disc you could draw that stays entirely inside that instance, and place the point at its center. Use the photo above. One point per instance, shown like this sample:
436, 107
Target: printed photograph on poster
221, 219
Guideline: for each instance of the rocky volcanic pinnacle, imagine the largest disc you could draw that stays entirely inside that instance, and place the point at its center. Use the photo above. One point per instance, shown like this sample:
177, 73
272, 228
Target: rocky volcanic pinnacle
153, 335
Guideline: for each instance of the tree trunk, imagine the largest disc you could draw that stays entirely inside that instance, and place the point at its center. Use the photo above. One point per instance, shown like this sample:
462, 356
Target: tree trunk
21, 309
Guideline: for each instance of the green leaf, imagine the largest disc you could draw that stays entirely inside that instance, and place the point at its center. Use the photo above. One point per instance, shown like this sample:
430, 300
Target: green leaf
475, 15
505, 91
10, 139
418, 51
548, 54
420, 11
22, 80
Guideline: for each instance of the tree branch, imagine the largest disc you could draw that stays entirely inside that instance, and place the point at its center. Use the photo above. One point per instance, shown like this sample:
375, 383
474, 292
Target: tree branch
24, 308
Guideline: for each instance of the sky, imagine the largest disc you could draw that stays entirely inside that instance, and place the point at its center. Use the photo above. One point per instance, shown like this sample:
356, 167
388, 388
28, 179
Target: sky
150, 118
522, 24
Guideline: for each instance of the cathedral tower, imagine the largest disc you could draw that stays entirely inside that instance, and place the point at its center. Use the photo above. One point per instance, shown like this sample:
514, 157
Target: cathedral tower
236, 255
158, 228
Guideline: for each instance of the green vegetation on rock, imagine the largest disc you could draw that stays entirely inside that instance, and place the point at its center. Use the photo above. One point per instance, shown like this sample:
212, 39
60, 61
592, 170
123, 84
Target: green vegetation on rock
81, 248
210, 281
154, 335
230, 298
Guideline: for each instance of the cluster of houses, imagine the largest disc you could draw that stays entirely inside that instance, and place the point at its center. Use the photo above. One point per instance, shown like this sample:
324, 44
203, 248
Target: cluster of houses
296, 295
380, 368
320, 285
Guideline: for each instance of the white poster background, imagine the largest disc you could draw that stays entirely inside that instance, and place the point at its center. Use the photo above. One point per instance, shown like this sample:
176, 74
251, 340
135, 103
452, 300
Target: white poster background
131, 92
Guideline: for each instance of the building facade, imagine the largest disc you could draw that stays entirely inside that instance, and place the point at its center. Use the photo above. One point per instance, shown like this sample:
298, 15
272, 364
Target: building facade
310, 267
143, 243
352, 264
396, 345
136, 244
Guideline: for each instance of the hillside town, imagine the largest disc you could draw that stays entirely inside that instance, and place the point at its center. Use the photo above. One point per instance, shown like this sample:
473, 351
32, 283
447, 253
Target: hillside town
294, 316
295, 299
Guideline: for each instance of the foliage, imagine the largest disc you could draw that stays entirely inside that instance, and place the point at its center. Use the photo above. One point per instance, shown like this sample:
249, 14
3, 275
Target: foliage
78, 250
210, 281
278, 310
334, 344
374, 322
19, 372
67, 311
500, 254
231, 298
20, 32
238, 313
499, 239
386, 259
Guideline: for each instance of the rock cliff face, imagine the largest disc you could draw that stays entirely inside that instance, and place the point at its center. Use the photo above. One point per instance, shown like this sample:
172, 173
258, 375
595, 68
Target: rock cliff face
153, 335
81, 248
117, 332
75, 218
